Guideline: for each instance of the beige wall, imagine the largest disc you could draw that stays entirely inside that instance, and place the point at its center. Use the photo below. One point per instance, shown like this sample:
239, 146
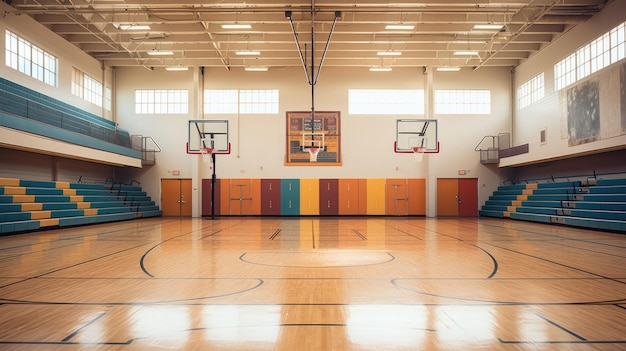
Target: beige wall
258, 141
68, 56
550, 112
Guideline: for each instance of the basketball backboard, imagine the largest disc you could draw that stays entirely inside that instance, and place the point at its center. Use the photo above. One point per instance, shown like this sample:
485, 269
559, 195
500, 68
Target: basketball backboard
208, 133
412, 133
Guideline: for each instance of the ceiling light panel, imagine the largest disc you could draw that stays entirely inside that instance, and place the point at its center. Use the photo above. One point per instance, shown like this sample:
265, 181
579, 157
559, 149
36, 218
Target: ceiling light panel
236, 26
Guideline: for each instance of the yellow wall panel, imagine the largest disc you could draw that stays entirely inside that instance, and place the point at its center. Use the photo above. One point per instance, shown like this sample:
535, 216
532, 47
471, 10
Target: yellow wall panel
309, 197
376, 196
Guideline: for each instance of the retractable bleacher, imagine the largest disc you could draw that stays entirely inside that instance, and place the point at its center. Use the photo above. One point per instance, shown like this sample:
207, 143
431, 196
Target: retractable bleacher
591, 203
27, 205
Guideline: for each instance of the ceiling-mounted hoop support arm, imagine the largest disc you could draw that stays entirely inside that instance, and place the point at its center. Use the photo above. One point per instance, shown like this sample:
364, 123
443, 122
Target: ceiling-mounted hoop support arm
295, 36
330, 34
312, 77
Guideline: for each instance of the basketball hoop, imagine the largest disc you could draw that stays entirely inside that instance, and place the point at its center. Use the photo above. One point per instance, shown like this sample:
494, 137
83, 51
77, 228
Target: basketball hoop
206, 153
418, 152
313, 151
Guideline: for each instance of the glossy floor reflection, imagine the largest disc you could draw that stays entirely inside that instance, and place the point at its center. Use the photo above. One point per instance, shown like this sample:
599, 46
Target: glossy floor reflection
314, 284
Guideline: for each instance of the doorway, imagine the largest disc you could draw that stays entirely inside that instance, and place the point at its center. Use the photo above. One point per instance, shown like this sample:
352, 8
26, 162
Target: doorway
457, 197
176, 197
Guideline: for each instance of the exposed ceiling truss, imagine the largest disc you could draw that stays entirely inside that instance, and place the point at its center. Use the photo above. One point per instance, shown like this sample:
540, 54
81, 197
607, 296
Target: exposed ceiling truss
192, 30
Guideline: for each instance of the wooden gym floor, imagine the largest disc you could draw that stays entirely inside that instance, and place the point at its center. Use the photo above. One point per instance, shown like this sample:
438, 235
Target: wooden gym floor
313, 284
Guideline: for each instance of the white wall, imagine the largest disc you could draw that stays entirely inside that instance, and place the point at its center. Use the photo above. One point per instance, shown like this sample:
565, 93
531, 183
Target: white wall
68, 56
258, 141
550, 112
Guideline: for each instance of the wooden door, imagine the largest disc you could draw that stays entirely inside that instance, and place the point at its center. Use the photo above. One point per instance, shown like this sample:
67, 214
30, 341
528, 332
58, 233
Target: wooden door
176, 197
329, 197
457, 197
468, 197
270, 197
447, 197
289, 197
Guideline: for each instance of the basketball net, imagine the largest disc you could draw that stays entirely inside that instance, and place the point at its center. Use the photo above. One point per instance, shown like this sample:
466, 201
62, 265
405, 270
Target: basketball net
418, 153
313, 151
206, 153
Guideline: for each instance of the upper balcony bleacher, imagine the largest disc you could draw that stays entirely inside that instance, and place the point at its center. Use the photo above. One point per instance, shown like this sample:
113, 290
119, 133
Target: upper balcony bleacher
28, 111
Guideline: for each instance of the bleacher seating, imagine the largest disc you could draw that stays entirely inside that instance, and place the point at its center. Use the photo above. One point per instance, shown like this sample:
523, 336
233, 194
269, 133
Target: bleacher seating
591, 203
27, 205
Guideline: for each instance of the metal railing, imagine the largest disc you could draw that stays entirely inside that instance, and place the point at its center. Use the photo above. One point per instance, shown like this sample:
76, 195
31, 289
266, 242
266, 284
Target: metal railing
490, 146
148, 147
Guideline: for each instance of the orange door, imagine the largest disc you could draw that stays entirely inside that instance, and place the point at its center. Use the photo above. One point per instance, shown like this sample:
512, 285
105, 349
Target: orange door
176, 197
457, 197
447, 197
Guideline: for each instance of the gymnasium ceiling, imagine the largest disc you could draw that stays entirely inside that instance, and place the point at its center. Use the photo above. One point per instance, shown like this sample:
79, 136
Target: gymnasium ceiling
192, 30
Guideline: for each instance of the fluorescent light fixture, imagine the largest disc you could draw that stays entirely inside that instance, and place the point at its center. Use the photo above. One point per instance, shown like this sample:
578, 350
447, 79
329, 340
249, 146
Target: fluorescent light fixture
128, 26
489, 26
177, 68
380, 69
400, 26
236, 26
256, 69
160, 53
135, 27
248, 53
448, 69
466, 53
389, 53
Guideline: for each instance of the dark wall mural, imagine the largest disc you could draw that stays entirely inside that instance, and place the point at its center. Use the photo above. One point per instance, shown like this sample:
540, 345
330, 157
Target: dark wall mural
583, 112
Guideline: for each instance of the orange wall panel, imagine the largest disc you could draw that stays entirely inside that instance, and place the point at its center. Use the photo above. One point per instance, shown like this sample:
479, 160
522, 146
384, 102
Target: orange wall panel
396, 197
241, 197
362, 196
348, 196
256, 197
417, 196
